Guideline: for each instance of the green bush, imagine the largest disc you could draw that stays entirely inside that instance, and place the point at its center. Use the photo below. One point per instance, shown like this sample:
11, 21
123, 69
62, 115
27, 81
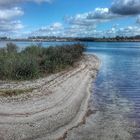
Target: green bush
34, 61
11, 48
33, 50
26, 67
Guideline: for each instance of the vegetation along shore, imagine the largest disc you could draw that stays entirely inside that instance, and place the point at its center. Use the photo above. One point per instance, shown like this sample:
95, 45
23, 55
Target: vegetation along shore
35, 61
51, 105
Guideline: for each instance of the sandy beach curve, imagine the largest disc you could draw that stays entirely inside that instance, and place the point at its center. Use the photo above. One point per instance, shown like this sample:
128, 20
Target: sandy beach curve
50, 106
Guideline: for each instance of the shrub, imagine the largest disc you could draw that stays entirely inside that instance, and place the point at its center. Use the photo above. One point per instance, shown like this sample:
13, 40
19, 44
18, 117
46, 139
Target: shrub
11, 48
33, 50
26, 67
34, 61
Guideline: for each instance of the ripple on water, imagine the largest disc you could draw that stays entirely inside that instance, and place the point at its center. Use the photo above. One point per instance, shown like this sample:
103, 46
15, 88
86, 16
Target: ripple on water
116, 96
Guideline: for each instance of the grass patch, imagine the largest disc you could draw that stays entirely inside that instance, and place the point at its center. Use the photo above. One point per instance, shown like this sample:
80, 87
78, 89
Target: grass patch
15, 92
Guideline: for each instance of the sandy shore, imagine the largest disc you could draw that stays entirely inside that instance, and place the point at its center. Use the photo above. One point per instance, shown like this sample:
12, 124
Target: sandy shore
53, 105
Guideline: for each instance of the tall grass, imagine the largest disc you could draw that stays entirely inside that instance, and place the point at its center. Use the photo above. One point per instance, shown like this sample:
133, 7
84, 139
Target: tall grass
35, 61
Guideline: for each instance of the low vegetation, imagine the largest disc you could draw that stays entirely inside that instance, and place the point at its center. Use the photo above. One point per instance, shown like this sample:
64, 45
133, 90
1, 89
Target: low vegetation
35, 61
14, 92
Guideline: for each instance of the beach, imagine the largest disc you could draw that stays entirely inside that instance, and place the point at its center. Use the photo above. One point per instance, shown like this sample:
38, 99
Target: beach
48, 107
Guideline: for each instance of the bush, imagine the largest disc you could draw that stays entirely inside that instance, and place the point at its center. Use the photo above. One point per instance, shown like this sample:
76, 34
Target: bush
34, 61
18, 67
26, 68
11, 48
33, 50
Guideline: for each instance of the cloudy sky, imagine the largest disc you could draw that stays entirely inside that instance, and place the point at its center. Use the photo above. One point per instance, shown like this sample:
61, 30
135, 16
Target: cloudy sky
71, 18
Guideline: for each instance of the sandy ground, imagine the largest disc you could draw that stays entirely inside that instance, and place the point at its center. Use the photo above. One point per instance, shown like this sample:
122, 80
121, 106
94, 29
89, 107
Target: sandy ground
56, 104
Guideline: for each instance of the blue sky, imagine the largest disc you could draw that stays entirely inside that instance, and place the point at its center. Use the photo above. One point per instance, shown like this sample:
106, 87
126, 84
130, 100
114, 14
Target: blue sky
73, 18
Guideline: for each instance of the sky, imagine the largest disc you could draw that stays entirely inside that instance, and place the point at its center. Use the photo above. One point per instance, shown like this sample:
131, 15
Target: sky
69, 18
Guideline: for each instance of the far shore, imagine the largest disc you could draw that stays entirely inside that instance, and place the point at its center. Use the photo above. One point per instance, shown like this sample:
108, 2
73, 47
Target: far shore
55, 104
37, 40
73, 39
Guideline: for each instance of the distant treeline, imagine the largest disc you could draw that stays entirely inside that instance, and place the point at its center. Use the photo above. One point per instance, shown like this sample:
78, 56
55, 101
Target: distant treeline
36, 61
116, 39
83, 39
77, 39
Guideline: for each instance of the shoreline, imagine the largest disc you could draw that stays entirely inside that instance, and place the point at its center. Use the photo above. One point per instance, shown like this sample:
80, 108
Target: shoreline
74, 40
52, 108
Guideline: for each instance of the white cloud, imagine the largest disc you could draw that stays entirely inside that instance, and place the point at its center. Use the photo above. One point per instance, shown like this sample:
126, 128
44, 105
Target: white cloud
129, 31
7, 14
85, 24
8, 23
81, 20
126, 31
8, 26
79, 31
74, 30
92, 18
102, 14
55, 29
56, 26
112, 32
80, 25
9, 11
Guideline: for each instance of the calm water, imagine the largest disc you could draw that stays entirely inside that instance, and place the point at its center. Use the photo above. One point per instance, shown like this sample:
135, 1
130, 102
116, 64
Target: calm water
119, 76
116, 98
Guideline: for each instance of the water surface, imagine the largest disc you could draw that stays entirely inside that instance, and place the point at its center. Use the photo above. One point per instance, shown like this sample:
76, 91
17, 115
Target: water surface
116, 97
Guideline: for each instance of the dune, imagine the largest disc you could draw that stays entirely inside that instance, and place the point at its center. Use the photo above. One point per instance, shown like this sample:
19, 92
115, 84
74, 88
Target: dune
47, 107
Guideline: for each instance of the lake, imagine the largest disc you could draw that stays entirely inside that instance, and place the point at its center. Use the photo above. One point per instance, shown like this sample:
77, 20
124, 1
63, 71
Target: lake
116, 96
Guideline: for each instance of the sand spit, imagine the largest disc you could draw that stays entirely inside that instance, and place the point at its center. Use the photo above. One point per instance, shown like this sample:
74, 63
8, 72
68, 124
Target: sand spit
54, 105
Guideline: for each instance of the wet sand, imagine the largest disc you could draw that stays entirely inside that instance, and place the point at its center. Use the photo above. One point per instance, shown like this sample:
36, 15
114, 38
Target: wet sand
52, 105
